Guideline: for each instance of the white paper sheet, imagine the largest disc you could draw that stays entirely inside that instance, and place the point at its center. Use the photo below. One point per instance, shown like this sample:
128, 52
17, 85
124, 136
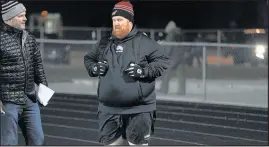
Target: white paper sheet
44, 94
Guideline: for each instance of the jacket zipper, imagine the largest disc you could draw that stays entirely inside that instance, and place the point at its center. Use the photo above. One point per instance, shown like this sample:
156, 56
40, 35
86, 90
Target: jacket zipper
23, 58
24, 64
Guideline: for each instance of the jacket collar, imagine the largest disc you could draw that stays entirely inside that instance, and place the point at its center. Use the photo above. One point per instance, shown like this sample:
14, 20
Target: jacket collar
8, 28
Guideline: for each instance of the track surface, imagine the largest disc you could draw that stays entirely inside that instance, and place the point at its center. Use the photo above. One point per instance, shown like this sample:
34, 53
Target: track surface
71, 120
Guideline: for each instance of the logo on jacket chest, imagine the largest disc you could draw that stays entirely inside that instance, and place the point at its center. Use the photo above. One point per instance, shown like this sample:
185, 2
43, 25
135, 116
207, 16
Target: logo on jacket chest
119, 49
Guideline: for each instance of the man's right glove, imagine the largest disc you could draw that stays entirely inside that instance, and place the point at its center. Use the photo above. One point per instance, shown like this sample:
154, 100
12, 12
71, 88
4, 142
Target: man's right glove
100, 68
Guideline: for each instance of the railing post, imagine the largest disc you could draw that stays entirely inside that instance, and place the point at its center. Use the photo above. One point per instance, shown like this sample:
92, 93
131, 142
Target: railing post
204, 71
42, 35
99, 33
152, 34
219, 48
181, 74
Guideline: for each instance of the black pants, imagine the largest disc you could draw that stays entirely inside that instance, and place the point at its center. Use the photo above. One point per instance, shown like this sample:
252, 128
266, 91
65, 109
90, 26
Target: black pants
136, 128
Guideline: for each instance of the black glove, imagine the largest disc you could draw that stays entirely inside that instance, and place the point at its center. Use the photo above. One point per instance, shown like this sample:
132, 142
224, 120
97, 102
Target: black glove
135, 70
100, 68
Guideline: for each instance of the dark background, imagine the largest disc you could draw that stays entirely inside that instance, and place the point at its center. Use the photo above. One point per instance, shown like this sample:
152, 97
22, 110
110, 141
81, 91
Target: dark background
150, 14
192, 14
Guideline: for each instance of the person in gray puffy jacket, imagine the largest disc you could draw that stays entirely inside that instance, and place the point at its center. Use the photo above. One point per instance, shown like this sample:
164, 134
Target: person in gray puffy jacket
20, 69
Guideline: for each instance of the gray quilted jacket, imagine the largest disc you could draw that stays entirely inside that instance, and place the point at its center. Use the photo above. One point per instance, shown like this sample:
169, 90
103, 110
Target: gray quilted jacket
20, 65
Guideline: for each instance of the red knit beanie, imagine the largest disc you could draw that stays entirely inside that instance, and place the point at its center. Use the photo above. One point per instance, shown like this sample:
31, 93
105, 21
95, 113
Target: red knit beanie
124, 9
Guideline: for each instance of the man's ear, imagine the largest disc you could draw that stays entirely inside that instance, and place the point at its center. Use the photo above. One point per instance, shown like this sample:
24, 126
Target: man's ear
9, 22
131, 23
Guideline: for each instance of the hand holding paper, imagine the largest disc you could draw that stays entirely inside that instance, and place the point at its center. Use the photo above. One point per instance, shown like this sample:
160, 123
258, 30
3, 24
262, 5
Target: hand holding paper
1, 108
44, 94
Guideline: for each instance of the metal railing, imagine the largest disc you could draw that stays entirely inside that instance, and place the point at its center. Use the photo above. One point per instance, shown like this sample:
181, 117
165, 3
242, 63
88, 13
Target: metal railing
228, 82
209, 35
235, 36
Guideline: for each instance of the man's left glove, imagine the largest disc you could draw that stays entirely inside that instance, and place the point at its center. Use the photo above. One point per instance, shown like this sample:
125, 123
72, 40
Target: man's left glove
135, 71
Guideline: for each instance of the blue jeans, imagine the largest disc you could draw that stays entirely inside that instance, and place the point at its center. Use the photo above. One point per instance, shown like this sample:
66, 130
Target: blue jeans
27, 117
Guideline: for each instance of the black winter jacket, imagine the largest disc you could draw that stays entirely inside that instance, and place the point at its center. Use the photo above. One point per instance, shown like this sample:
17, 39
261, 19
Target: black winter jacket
117, 92
20, 67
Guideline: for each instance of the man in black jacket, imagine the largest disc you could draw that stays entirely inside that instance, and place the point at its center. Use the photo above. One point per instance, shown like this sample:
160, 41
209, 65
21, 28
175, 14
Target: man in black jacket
20, 68
127, 64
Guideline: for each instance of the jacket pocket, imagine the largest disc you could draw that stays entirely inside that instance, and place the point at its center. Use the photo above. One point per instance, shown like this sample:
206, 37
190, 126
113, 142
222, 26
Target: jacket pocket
147, 91
116, 89
140, 91
31, 94
98, 87
31, 90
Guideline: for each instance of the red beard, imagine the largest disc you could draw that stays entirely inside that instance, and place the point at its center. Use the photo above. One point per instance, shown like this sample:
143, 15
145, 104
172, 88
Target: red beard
120, 32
